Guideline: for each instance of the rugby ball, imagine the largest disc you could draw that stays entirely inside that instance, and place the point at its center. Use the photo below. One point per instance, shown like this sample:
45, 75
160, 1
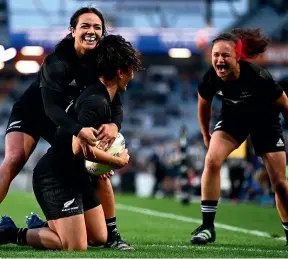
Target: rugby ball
97, 168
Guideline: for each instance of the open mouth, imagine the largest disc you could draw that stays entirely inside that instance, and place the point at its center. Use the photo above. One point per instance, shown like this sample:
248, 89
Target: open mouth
222, 68
90, 39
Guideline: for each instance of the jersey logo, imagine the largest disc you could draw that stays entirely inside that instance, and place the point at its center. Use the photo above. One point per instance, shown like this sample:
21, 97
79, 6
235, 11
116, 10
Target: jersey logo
220, 93
72, 83
245, 95
218, 125
280, 143
13, 123
67, 109
232, 101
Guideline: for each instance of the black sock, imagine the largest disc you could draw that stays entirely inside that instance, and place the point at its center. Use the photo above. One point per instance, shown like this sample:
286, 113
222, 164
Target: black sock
285, 226
208, 209
111, 226
17, 236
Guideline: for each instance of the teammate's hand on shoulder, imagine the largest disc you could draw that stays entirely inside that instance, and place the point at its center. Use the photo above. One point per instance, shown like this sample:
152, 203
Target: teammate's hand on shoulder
88, 136
207, 139
123, 159
107, 133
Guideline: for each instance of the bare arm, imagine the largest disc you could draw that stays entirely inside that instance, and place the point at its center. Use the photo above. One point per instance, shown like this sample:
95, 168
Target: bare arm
204, 114
282, 102
97, 155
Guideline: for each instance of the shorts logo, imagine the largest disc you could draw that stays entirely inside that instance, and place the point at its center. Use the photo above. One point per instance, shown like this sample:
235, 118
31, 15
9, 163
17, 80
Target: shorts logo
68, 203
66, 206
280, 143
218, 125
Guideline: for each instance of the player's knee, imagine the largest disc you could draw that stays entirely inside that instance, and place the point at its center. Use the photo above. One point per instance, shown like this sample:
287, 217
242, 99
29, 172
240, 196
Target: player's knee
212, 163
100, 239
280, 186
74, 245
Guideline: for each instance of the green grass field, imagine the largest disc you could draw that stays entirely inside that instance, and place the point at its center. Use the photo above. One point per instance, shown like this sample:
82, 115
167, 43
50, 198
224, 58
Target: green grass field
161, 228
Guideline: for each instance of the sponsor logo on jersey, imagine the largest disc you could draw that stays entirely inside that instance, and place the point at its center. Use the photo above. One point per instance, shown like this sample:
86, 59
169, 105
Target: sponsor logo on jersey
72, 83
14, 125
220, 93
280, 143
233, 101
218, 125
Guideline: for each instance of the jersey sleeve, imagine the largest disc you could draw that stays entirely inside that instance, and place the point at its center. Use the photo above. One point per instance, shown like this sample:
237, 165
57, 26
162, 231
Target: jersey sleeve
117, 111
53, 103
92, 111
53, 73
207, 89
272, 91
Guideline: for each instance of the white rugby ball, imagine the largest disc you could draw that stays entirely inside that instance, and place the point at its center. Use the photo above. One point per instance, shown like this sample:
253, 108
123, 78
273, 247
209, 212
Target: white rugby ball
97, 168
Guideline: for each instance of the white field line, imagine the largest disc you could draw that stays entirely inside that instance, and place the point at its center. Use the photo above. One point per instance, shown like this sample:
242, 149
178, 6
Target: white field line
191, 220
221, 248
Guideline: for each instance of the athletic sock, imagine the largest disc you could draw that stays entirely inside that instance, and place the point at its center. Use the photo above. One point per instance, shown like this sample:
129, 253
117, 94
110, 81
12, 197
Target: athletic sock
209, 209
111, 226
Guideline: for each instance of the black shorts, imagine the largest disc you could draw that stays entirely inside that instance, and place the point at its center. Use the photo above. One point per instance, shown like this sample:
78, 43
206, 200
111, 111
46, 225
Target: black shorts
34, 124
59, 197
265, 137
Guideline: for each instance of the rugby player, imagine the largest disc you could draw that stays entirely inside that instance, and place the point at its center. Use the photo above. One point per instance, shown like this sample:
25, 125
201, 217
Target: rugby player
63, 75
252, 102
63, 188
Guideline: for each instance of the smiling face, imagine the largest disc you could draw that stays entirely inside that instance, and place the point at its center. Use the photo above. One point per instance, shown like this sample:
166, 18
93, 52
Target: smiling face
224, 59
87, 32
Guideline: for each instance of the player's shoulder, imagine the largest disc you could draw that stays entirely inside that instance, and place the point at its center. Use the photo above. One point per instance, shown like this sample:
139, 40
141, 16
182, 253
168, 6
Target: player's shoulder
54, 64
210, 76
55, 59
257, 71
94, 95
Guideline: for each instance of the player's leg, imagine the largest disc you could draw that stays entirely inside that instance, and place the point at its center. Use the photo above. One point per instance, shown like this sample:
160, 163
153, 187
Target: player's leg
106, 197
18, 148
95, 226
71, 231
269, 143
37, 238
221, 145
275, 164
229, 133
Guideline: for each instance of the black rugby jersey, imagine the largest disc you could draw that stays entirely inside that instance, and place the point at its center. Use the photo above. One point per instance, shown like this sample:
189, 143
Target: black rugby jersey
61, 79
64, 165
251, 96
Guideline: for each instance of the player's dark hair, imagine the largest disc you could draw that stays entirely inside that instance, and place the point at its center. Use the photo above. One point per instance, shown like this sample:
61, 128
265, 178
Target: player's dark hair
249, 42
114, 53
75, 17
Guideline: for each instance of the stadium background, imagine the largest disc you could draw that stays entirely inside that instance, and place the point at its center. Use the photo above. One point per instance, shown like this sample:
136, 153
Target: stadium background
160, 123
174, 39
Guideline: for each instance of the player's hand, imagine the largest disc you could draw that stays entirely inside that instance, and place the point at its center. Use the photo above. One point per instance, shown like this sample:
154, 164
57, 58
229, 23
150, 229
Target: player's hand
207, 139
123, 159
84, 147
107, 133
88, 136
107, 175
